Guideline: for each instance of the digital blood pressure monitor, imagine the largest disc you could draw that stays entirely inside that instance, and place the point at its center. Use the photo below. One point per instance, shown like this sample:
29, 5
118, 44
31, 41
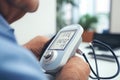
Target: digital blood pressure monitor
61, 48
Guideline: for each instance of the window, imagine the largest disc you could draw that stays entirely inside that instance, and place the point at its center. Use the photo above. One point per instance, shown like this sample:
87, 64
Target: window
91, 14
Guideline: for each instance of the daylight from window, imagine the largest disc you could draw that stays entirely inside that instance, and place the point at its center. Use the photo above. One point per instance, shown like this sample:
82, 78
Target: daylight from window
91, 14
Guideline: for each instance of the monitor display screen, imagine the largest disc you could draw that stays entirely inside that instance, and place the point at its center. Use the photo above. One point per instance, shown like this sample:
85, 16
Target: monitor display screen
62, 40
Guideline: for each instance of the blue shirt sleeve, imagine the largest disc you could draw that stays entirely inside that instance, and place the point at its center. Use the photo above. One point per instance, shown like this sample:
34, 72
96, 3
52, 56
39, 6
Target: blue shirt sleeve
17, 63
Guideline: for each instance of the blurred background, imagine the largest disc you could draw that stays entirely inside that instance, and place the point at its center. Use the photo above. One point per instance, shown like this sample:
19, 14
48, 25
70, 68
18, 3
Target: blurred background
92, 15
96, 16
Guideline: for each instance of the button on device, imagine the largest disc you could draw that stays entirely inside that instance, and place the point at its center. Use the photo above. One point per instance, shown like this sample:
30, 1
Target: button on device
50, 56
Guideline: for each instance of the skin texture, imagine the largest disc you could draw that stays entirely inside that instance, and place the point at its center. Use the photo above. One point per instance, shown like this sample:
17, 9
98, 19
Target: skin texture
37, 44
12, 10
75, 69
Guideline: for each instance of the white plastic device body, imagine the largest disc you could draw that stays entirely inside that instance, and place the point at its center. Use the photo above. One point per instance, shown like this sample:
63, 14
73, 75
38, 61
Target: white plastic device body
61, 48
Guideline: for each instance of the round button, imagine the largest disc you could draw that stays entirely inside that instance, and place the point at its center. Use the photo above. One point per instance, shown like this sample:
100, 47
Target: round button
50, 56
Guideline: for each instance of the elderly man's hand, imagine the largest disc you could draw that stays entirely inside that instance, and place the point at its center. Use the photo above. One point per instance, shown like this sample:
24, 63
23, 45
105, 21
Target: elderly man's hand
36, 45
75, 69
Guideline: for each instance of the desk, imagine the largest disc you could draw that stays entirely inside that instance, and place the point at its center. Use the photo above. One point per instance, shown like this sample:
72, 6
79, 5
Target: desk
106, 68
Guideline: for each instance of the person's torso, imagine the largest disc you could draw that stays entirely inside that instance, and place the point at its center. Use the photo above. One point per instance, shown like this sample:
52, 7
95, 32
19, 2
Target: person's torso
16, 62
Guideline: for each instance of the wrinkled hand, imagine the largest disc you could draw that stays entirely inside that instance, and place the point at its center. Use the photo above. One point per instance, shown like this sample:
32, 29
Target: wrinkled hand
75, 69
36, 45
